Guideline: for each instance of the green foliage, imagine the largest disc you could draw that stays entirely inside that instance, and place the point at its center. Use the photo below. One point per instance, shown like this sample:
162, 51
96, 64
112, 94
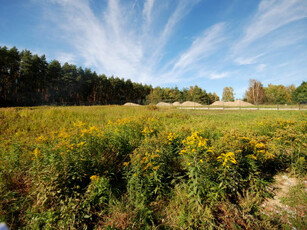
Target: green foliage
296, 200
278, 94
228, 94
170, 95
300, 94
27, 80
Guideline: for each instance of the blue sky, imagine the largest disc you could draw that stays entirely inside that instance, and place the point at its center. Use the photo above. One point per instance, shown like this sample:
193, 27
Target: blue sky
209, 43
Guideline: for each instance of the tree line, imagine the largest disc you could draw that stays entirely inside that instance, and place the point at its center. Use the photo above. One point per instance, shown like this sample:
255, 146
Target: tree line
275, 94
194, 93
272, 94
27, 79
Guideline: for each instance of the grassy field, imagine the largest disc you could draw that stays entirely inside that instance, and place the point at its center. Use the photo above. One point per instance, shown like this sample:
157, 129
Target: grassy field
254, 107
114, 167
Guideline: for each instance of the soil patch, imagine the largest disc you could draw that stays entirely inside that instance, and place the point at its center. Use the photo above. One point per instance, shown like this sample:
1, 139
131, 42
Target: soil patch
281, 189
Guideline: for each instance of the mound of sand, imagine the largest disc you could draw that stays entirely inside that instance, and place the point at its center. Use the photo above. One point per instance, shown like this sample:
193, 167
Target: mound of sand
232, 103
190, 103
218, 103
163, 104
131, 104
176, 103
241, 103
229, 103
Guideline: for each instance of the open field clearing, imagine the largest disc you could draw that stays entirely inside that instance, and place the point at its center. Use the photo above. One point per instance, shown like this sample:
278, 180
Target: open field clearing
116, 167
245, 108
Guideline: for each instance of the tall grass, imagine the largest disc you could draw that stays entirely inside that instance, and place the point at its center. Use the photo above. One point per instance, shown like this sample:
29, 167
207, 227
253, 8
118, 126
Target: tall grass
143, 168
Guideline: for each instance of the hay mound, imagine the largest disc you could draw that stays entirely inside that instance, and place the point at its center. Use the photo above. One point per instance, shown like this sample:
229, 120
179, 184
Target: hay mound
176, 103
190, 103
163, 104
131, 104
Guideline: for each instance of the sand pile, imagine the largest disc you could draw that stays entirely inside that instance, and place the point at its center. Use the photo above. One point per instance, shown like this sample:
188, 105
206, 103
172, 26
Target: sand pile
229, 103
131, 104
241, 103
163, 104
218, 103
232, 103
190, 103
176, 103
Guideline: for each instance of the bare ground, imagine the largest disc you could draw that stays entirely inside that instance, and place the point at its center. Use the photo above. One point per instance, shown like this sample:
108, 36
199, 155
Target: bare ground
281, 187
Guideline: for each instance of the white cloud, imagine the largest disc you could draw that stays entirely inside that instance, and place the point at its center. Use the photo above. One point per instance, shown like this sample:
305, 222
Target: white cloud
202, 47
194, 58
147, 11
249, 60
63, 57
269, 37
261, 67
130, 39
219, 75
271, 15
111, 42
182, 9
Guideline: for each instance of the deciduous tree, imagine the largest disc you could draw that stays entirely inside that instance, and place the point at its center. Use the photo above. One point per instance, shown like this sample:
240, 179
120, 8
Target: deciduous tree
228, 94
300, 94
255, 93
278, 94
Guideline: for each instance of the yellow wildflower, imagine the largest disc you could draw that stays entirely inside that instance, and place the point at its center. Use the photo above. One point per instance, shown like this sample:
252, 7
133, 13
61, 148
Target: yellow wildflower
183, 151
63, 134
94, 178
83, 131
126, 163
81, 144
171, 137
36, 152
41, 138
227, 157
79, 124
260, 146
156, 167
195, 143
145, 159
147, 131
252, 156
93, 128
269, 155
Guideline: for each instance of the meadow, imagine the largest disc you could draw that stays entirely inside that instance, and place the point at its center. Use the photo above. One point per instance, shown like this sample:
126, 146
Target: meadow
115, 167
